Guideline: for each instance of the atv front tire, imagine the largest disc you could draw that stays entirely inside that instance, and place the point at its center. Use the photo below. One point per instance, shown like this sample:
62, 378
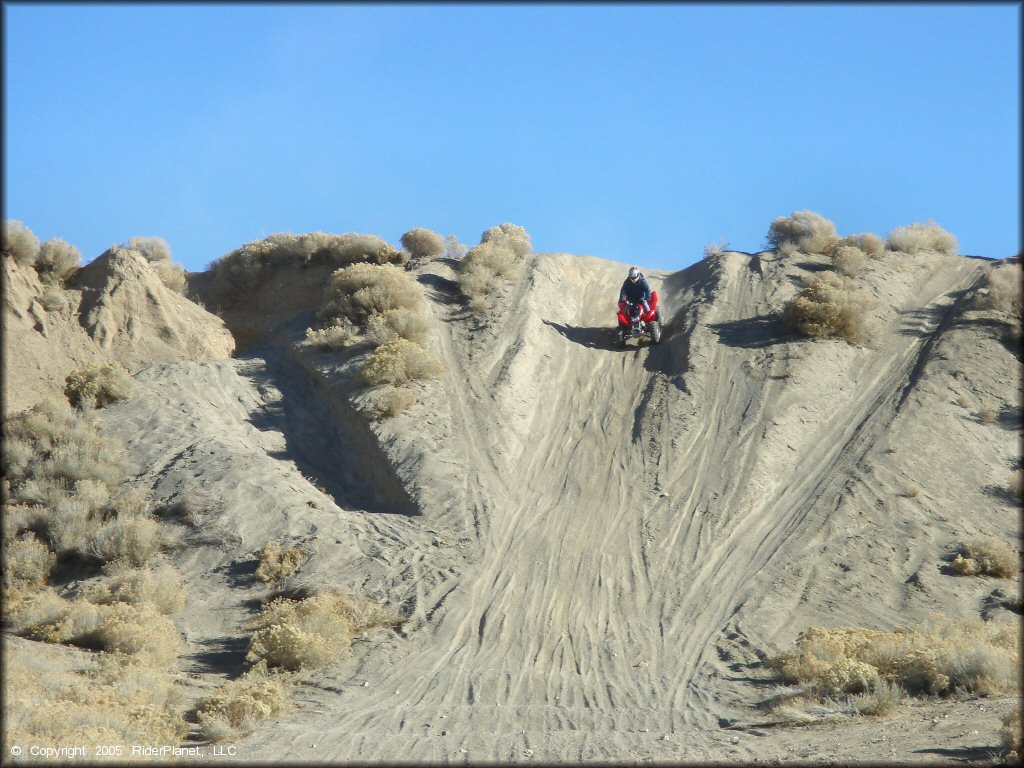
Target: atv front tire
656, 332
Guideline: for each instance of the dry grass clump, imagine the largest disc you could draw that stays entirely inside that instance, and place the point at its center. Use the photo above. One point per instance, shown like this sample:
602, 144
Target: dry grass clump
423, 244
922, 238
96, 386
987, 557
1004, 291
399, 361
715, 248
241, 705
277, 563
1011, 736
509, 236
807, 231
27, 563
239, 272
392, 401
381, 301
830, 306
332, 338
311, 633
20, 243
57, 261
940, 657
138, 630
53, 299
869, 243
150, 248
65, 479
492, 263
158, 586
56, 698
157, 252
848, 260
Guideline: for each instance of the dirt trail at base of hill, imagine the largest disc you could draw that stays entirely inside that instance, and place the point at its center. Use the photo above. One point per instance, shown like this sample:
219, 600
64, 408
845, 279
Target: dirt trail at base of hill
627, 513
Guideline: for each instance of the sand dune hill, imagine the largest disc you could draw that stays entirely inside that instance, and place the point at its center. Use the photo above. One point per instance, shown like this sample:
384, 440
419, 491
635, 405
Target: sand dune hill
115, 308
597, 547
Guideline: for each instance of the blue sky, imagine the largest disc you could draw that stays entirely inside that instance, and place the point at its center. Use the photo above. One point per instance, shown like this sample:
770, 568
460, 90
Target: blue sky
634, 133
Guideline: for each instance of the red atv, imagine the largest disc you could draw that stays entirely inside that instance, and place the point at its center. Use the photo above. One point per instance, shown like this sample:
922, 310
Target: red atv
634, 323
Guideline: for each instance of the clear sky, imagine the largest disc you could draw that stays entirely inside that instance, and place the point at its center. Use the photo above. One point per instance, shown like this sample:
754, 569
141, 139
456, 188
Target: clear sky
634, 133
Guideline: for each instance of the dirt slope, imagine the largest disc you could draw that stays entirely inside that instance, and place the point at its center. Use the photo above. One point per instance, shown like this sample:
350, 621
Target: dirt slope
597, 546
114, 309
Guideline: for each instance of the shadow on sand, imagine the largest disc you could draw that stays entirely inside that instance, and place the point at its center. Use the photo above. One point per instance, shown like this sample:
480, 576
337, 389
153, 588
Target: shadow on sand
753, 332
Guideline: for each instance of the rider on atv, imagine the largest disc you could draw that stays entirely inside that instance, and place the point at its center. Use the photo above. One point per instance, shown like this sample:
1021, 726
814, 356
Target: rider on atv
639, 313
635, 289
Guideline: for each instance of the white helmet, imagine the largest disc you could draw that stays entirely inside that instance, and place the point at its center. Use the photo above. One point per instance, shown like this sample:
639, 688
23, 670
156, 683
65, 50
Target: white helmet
634, 274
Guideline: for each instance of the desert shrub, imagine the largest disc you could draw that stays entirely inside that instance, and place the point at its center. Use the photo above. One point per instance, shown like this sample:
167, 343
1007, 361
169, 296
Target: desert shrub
151, 248
1011, 736
922, 238
453, 249
160, 587
987, 557
171, 275
398, 323
808, 231
19, 243
27, 563
52, 698
361, 290
53, 299
140, 631
1004, 290
157, 252
311, 633
399, 361
240, 705
332, 338
485, 269
57, 260
240, 271
848, 260
135, 540
50, 448
871, 244
277, 563
829, 305
716, 248
392, 401
510, 236
423, 243
938, 657
96, 386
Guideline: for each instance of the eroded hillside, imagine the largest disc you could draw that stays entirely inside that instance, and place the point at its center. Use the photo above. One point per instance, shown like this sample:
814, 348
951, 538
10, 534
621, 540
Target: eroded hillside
596, 547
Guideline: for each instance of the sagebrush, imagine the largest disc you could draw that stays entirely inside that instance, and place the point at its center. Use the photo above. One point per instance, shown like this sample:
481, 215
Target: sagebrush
277, 563
423, 244
830, 305
987, 556
311, 633
238, 273
96, 386
939, 657
928, 237
807, 231
492, 263
399, 361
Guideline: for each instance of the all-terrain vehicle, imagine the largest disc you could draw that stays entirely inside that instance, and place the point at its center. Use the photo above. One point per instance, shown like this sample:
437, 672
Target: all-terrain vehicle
634, 323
